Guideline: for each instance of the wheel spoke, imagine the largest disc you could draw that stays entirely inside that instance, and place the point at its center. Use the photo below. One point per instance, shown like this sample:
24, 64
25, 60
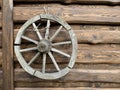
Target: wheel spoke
33, 59
53, 60
47, 29
37, 31
60, 52
29, 39
56, 33
28, 49
44, 63
61, 43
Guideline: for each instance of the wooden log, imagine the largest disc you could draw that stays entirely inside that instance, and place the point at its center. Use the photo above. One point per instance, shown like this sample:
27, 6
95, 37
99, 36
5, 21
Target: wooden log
65, 85
86, 14
0, 13
92, 54
75, 75
73, 14
7, 49
98, 57
97, 66
76, 88
86, 66
80, 27
1, 79
87, 36
113, 2
97, 36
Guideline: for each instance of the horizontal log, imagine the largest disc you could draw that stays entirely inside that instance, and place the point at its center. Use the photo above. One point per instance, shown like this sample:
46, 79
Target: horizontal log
0, 60
1, 79
97, 66
91, 66
73, 14
114, 2
98, 57
75, 75
96, 54
75, 88
0, 19
81, 27
95, 37
81, 14
87, 36
49, 84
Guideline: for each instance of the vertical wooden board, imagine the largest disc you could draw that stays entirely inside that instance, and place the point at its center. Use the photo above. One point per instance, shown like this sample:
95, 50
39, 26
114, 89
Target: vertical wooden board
7, 25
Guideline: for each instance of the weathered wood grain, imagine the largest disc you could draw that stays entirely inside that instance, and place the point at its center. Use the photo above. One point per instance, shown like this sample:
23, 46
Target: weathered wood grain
73, 14
76, 88
7, 45
114, 2
75, 75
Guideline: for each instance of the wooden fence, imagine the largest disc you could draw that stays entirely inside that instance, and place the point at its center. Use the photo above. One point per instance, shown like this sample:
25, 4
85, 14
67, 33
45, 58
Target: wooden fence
96, 24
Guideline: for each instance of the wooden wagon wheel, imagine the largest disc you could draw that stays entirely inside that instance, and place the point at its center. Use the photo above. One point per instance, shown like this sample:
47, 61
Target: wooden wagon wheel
45, 46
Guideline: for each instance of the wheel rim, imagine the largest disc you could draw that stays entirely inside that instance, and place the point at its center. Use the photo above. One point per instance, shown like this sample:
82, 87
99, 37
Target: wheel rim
44, 46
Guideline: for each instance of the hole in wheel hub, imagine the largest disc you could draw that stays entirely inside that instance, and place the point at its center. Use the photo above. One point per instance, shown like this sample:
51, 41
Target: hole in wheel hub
44, 46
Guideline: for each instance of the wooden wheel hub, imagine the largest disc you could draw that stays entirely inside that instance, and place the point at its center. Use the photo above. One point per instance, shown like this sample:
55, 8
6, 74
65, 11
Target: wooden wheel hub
44, 46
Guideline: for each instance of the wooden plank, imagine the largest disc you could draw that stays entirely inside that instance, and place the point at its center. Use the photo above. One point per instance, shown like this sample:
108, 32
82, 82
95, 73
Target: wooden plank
7, 45
75, 75
114, 2
75, 88
73, 14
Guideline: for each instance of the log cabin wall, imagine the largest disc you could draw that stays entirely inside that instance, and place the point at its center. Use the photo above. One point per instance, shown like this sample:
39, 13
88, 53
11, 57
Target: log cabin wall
96, 24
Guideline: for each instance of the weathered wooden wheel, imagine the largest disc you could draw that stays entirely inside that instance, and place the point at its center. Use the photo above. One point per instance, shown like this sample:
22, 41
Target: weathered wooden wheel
45, 46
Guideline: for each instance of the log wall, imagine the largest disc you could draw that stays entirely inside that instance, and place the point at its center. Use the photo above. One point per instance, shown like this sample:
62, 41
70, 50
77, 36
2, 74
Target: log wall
96, 24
